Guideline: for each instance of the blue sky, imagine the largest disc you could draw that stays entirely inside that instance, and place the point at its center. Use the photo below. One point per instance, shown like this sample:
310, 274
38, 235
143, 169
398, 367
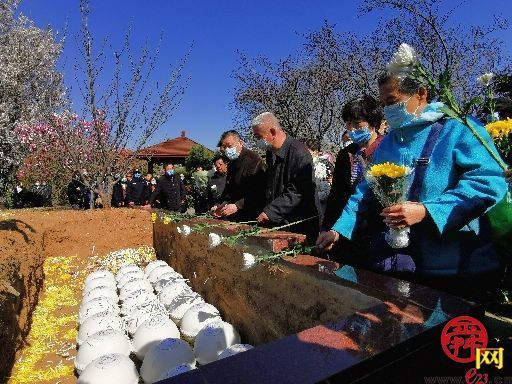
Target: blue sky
217, 29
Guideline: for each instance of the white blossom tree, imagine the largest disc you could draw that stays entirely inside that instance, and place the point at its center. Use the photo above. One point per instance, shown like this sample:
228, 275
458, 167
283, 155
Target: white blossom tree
31, 87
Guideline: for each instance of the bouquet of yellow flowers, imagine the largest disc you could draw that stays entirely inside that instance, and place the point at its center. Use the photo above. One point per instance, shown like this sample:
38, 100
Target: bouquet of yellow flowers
390, 183
501, 133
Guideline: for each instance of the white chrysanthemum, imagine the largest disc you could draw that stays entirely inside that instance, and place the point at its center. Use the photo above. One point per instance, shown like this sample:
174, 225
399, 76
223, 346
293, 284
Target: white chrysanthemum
214, 240
249, 260
179, 230
485, 79
186, 230
403, 61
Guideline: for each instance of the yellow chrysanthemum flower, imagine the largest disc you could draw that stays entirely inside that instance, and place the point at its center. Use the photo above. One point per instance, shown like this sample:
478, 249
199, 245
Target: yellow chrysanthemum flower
500, 129
390, 170
153, 217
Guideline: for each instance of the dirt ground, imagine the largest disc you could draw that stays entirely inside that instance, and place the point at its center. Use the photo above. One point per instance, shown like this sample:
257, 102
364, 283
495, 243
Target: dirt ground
28, 237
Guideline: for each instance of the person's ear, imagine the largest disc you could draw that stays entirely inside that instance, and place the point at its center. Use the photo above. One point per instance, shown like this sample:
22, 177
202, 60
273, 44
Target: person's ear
273, 132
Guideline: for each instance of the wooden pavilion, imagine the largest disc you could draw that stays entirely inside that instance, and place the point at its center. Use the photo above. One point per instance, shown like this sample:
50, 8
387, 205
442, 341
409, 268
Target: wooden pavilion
170, 151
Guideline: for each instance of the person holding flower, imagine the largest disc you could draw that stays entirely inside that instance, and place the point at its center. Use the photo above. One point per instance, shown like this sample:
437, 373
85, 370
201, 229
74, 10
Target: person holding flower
456, 181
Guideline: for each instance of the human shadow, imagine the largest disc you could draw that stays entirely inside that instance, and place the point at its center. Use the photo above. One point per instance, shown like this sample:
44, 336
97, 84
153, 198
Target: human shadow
14, 225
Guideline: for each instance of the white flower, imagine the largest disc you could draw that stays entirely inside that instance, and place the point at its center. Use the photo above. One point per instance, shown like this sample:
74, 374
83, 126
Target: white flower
179, 230
485, 79
186, 230
214, 187
214, 240
403, 61
249, 261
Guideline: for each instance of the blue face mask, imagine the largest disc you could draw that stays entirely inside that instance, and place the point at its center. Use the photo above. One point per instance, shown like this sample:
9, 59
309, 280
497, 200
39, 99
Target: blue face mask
170, 172
361, 135
397, 114
231, 153
137, 175
264, 145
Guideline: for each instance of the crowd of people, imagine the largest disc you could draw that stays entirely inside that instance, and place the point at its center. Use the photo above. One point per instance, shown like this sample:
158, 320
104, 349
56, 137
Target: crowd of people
456, 182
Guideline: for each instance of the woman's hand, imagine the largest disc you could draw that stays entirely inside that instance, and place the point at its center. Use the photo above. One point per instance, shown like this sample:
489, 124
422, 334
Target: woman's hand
327, 239
404, 215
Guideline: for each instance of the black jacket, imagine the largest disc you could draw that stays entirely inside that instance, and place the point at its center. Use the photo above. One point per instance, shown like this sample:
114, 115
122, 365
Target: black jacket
118, 199
245, 185
214, 195
137, 191
291, 190
341, 188
171, 191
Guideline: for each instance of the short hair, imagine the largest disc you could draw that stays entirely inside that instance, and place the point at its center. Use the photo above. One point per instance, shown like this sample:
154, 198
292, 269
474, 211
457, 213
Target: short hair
231, 132
363, 108
407, 85
258, 120
220, 156
167, 164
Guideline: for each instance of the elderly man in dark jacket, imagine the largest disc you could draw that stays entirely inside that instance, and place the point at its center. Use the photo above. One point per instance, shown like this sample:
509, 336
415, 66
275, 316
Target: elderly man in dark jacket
243, 195
290, 188
171, 190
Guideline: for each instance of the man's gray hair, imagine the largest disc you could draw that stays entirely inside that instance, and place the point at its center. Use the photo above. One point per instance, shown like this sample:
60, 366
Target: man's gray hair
258, 120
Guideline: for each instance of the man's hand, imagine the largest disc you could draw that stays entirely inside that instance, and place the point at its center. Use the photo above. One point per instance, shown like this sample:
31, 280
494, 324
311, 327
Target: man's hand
147, 207
228, 210
215, 210
404, 215
327, 239
262, 218
131, 204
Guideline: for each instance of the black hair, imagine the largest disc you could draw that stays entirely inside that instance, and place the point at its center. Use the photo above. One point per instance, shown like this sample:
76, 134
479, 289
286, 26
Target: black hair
231, 132
219, 156
363, 108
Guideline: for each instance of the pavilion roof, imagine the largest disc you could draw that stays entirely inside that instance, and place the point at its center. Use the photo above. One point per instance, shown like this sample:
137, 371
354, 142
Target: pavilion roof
178, 147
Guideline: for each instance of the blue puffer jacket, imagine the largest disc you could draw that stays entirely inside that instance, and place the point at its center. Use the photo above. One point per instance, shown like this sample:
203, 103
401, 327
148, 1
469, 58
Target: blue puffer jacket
462, 182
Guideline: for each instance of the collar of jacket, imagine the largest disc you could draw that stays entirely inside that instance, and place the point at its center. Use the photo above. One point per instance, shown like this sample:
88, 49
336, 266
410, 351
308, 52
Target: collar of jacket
281, 152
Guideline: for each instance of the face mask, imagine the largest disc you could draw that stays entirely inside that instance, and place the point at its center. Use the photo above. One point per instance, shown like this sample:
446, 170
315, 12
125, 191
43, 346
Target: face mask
124, 180
231, 153
397, 114
360, 136
137, 175
264, 145
170, 172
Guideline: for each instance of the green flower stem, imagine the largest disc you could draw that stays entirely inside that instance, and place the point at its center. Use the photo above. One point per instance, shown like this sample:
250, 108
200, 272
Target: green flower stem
494, 155
446, 95
286, 225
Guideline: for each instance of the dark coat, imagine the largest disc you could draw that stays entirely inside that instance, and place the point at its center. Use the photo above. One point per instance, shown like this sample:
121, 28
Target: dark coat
214, 195
341, 188
171, 191
245, 185
291, 190
118, 198
137, 191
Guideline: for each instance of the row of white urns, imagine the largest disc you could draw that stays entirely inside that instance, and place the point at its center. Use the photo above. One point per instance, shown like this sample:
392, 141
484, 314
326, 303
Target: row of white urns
104, 348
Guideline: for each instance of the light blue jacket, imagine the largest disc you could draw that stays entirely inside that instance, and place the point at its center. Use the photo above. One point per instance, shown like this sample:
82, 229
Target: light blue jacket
462, 182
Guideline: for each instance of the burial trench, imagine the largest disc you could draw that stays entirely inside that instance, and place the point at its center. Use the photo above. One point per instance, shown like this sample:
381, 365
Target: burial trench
307, 325
29, 237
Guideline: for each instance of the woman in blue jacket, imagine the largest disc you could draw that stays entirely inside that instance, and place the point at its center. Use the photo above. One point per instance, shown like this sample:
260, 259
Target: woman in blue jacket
451, 246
